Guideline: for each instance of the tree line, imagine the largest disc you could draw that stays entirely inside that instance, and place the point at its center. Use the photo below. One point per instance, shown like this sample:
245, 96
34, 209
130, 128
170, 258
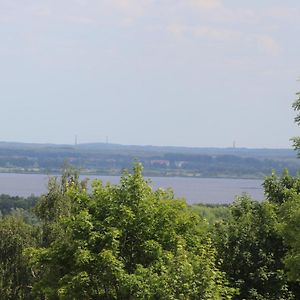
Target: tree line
160, 161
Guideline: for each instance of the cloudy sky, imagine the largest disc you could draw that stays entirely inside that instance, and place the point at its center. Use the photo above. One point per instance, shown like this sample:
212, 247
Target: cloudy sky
196, 73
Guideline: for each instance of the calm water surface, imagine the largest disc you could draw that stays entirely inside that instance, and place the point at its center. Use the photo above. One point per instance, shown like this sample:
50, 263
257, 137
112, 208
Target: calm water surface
194, 190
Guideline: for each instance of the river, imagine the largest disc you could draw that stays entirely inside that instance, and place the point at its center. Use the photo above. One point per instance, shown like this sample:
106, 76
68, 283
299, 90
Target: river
194, 190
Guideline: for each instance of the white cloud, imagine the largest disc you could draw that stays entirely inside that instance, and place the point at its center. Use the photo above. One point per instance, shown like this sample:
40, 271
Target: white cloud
206, 4
283, 13
268, 45
130, 9
208, 32
177, 30
81, 20
215, 33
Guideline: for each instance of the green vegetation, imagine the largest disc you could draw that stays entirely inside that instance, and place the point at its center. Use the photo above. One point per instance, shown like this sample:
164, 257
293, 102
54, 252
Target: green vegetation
296, 106
16, 275
146, 244
251, 251
10, 203
212, 212
127, 241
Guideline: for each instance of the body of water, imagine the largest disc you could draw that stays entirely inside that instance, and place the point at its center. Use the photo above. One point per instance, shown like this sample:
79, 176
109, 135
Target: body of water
194, 190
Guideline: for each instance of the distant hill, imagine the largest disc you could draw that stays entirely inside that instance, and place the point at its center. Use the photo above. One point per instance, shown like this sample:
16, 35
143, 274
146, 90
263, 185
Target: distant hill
258, 152
110, 159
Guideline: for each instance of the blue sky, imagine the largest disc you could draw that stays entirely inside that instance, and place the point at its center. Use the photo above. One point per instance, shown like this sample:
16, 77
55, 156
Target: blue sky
200, 73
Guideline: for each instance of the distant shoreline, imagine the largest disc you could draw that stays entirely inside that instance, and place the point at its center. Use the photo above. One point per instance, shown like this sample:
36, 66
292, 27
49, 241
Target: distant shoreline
110, 159
146, 174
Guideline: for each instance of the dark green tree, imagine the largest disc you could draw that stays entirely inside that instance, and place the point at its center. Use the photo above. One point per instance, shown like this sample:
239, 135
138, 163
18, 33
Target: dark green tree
279, 189
288, 189
284, 191
251, 250
16, 279
290, 231
52, 206
296, 107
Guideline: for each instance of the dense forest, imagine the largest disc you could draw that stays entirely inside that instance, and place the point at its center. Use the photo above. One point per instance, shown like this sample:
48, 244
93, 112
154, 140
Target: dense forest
128, 241
111, 159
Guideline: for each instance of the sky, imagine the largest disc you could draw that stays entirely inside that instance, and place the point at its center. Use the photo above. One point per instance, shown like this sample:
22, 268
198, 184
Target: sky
195, 73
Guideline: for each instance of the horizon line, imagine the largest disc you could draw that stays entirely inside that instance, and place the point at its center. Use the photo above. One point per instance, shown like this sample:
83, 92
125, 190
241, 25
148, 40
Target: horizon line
145, 145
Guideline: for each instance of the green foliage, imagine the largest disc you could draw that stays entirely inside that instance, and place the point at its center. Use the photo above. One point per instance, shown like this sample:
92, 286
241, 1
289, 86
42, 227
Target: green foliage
212, 213
285, 192
10, 203
16, 277
125, 242
251, 250
290, 231
279, 189
296, 107
52, 206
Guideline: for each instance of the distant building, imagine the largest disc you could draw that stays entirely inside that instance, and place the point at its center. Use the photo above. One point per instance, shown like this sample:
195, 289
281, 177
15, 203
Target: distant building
160, 162
179, 164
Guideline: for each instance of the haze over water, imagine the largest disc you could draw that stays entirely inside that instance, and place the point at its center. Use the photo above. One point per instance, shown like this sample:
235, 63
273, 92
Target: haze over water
194, 190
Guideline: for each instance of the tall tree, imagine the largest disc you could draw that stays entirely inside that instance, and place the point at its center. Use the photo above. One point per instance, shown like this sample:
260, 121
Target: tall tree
15, 275
56, 203
290, 212
251, 251
284, 191
296, 107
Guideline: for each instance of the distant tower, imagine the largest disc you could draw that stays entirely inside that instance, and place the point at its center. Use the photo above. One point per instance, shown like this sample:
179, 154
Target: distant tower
106, 139
233, 145
76, 140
